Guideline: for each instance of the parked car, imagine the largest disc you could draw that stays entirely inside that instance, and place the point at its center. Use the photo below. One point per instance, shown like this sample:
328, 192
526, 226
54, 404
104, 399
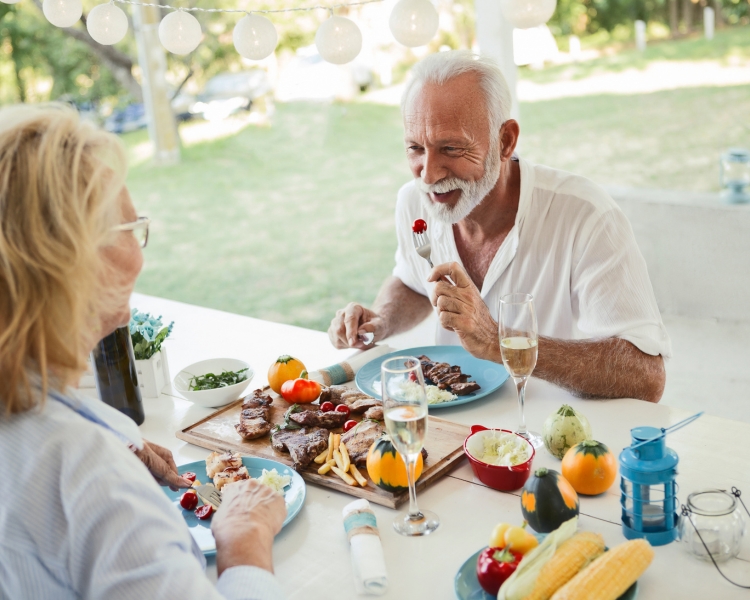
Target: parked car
130, 118
228, 93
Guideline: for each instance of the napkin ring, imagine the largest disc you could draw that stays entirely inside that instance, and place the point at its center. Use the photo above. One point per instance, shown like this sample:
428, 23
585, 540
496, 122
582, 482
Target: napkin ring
360, 522
337, 374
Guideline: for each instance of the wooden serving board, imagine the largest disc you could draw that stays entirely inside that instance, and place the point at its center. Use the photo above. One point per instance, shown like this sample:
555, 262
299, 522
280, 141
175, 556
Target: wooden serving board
216, 432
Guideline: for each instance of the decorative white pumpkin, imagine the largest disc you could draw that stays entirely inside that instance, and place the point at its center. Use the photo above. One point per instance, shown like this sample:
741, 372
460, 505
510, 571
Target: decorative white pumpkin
564, 429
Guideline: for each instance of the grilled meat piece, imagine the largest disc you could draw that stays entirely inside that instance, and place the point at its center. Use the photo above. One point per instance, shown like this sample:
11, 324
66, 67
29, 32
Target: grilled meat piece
317, 418
230, 475
358, 402
376, 412
255, 416
333, 394
451, 378
461, 389
359, 439
302, 444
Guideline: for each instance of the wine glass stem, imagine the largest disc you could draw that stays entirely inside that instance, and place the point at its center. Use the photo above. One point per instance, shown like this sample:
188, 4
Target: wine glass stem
521, 389
411, 471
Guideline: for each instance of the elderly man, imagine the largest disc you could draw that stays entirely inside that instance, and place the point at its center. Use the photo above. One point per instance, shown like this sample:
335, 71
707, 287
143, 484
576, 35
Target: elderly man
500, 224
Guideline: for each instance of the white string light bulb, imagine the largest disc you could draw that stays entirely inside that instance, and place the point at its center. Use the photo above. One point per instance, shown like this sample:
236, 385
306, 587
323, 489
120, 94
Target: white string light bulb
414, 22
180, 32
255, 37
62, 13
524, 14
338, 40
107, 24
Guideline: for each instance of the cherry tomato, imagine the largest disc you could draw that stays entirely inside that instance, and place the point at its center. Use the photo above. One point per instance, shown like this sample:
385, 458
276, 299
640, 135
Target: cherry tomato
326, 406
189, 500
204, 512
420, 226
190, 476
343, 408
413, 377
349, 424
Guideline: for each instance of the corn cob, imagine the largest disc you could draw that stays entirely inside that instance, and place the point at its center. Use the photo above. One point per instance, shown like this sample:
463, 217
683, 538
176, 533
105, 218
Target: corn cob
609, 576
572, 556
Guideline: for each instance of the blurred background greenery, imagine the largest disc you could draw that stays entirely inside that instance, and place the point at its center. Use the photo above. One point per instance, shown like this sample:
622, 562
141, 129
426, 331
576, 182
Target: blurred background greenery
290, 217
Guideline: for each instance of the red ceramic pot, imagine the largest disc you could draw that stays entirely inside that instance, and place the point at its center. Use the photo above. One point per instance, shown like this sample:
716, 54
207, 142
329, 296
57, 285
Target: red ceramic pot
498, 477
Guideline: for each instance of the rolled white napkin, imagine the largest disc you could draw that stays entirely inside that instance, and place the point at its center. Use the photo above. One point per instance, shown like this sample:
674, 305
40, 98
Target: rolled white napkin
346, 370
368, 563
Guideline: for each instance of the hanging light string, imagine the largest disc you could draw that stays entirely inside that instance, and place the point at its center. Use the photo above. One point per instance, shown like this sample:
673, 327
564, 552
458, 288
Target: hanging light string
250, 11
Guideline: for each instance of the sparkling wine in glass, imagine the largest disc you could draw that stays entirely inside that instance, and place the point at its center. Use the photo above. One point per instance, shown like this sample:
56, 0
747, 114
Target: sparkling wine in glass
519, 339
405, 412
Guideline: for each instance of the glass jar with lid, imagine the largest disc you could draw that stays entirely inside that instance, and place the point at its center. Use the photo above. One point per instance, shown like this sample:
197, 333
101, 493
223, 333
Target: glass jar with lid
721, 526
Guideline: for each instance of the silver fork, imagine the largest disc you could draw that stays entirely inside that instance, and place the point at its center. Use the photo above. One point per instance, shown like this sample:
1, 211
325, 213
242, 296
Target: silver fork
424, 248
209, 494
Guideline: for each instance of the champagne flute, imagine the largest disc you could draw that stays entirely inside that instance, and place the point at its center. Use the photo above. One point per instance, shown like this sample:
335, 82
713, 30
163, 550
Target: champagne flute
405, 412
519, 338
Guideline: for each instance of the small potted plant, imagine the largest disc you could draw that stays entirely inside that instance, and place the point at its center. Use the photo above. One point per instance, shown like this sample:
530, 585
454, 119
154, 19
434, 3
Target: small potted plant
148, 334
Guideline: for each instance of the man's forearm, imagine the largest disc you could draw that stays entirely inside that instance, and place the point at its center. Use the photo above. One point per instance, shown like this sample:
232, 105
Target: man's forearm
609, 368
400, 307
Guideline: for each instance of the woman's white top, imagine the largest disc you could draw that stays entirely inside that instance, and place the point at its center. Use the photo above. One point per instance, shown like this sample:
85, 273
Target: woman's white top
81, 516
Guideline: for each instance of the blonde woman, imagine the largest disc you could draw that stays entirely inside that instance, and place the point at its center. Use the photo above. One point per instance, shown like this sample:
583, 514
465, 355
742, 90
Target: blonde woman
85, 519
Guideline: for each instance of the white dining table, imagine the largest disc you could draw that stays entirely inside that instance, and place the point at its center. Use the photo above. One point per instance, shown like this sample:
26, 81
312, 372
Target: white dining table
311, 554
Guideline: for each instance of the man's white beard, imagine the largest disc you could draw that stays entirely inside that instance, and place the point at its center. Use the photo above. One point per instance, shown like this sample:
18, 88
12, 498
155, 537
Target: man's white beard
472, 192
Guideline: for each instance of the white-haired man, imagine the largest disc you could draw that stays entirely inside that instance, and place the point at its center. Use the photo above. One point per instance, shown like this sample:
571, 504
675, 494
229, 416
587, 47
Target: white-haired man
499, 224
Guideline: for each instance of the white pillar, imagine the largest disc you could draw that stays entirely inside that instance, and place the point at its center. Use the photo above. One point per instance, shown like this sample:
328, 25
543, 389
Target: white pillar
495, 37
640, 35
162, 128
709, 18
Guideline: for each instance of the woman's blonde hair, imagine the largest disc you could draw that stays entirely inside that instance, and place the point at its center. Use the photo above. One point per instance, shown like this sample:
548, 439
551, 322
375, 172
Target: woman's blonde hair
60, 179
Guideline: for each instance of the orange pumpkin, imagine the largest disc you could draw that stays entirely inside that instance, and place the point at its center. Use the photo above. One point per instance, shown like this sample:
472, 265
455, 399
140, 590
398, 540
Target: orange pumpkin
387, 469
590, 467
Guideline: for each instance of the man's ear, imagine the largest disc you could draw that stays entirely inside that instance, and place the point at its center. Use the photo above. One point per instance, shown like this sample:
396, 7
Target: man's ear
509, 138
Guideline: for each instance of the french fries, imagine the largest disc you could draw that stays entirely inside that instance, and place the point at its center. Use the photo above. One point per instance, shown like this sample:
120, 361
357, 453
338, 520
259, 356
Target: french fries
339, 460
344, 457
322, 457
326, 467
357, 475
329, 455
345, 476
336, 441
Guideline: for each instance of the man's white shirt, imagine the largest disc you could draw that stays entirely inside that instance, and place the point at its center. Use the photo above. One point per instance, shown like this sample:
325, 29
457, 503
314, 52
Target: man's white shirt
571, 247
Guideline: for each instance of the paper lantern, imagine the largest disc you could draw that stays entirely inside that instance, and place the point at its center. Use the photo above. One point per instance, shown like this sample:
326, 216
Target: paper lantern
255, 37
180, 32
107, 24
62, 13
413, 22
527, 13
338, 40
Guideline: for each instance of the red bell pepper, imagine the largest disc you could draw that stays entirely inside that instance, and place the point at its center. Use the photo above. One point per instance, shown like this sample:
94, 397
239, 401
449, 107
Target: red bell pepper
300, 390
494, 566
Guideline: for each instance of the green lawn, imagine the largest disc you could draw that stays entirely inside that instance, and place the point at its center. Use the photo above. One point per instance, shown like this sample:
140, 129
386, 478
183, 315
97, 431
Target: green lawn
291, 222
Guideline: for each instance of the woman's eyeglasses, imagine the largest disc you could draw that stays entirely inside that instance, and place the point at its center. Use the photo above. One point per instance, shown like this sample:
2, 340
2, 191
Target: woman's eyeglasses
139, 229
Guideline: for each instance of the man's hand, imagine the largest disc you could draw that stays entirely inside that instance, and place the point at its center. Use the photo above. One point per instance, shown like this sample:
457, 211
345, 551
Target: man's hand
250, 516
462, 310
160, 463
352, 321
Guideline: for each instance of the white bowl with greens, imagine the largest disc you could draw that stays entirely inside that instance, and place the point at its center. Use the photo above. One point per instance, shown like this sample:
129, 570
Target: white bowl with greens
214, 382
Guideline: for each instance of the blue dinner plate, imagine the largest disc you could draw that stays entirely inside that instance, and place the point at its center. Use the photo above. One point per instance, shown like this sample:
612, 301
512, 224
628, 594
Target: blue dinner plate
467, 585
489, 375
294, 496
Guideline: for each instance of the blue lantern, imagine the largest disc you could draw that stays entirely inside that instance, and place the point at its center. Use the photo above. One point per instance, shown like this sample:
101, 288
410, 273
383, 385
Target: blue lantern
648, 491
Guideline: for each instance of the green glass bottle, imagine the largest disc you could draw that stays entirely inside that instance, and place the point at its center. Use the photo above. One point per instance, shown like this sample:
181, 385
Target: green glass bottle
116, 376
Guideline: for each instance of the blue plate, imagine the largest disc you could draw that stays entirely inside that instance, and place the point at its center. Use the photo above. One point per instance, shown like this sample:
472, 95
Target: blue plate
489, 375
294, 495
467, 585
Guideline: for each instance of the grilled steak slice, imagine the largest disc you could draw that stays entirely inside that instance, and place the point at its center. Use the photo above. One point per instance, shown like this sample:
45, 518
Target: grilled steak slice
359, 439
461, 389
333, 394
359, 402
376, 412
452, 378
317, 418
302, 444
255, 416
